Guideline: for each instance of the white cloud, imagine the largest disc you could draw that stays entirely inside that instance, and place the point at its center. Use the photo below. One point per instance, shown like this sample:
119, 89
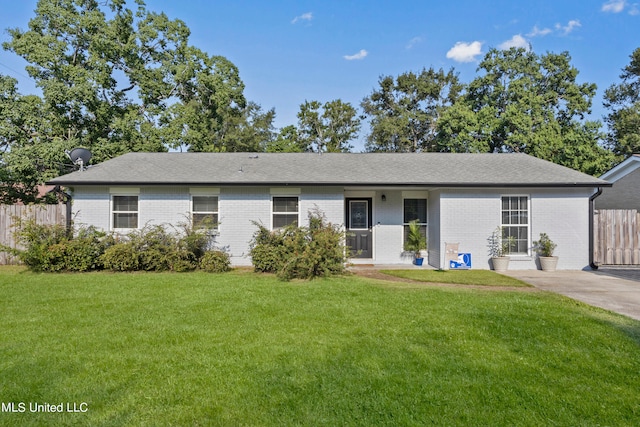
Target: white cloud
535, 32
571, 25
304, 17
414, 41
634, 10
614, 6
465, 52
515, 41
360, 55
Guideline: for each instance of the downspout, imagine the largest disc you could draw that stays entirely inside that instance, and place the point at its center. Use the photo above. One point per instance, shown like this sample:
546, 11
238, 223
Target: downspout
67, 202
592, 203
66, 199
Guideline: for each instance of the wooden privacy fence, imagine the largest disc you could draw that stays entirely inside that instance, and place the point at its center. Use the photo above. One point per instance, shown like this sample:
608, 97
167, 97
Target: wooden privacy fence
42, 214
616, 237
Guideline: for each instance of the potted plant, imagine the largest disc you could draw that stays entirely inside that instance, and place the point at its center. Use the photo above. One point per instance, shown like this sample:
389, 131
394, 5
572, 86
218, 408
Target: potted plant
545, 247
415, 242
499, 249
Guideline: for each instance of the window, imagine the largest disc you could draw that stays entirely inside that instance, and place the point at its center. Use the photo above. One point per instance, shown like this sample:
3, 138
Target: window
515, 222
285, 211
125, 211
204, 211
415, 209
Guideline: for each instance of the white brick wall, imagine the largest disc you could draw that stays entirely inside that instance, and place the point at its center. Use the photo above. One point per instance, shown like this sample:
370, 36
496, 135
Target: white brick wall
467, 217
238, 208
565, 218
163, 205
91, 206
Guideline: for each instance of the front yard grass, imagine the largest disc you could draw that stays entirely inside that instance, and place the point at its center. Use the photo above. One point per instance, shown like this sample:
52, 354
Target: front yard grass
247, 349
460, 277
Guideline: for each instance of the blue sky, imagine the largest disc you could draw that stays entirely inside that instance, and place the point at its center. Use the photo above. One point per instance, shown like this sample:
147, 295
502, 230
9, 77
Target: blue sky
291, 51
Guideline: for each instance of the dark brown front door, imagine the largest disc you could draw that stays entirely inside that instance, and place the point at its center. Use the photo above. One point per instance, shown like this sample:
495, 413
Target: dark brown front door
359, 234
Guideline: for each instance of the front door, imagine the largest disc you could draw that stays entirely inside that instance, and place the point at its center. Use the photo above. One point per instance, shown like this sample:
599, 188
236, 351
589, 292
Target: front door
359, 234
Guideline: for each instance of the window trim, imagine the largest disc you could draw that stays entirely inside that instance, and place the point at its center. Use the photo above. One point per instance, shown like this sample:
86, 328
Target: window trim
421, 224
273, 212
113, 211
215, 213
527, 225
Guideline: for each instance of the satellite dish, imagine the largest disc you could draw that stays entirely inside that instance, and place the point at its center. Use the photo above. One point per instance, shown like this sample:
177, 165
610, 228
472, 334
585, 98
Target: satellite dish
79, 156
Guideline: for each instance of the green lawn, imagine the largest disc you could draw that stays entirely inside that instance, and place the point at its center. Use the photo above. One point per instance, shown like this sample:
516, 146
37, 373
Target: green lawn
243, 349
462, 277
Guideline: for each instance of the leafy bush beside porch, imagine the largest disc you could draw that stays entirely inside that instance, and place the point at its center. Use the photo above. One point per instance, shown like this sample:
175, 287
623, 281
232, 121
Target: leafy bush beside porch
300, 252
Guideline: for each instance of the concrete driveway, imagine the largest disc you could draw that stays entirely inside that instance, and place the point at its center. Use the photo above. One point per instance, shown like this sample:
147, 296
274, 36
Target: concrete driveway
614, 289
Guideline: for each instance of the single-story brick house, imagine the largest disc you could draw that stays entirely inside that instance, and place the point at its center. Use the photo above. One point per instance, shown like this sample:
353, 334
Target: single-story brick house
457, 198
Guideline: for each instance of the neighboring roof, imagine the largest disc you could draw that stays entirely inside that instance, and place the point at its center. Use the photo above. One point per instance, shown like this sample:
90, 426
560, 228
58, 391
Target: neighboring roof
623, 169
377, 169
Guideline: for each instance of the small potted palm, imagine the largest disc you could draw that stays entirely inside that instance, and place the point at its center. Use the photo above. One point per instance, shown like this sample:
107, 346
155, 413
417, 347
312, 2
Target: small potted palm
499, 249
415, 242
545, 247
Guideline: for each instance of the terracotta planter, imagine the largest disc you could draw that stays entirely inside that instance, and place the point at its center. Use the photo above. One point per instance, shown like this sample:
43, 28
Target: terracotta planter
500, 263
548, 263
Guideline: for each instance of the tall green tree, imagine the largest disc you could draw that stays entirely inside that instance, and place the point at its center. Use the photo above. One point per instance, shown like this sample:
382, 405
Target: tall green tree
328, 127
623, 99
25, 125
287, 141
526, 103
404, 111
116, 79
246, 130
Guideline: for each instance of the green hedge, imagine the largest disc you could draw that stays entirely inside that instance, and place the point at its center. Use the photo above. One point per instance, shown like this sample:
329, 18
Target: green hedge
51, 248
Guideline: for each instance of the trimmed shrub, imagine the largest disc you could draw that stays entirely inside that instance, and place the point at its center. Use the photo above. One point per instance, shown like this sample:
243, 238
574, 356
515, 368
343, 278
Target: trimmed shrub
215, 262
268, 248
149, 249
121, 257
300, 252
155, 249
84, 250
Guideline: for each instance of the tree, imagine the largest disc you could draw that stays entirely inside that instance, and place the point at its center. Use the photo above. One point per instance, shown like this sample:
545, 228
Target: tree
246, 130
23, 120
529, 104
404, 112
115, 80
623, 99
328, 127
287, 141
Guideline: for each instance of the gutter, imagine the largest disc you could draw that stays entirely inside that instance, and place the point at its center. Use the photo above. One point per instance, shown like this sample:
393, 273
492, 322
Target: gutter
331, 184
592, 203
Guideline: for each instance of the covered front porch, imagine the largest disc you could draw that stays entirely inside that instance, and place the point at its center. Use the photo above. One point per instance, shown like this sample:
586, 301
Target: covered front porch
376, 222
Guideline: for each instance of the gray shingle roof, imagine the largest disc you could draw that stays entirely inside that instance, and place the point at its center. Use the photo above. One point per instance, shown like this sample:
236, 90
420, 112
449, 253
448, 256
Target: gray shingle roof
376, 169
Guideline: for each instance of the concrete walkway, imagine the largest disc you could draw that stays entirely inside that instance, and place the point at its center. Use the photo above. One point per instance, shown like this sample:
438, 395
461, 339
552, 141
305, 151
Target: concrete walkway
613, 289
